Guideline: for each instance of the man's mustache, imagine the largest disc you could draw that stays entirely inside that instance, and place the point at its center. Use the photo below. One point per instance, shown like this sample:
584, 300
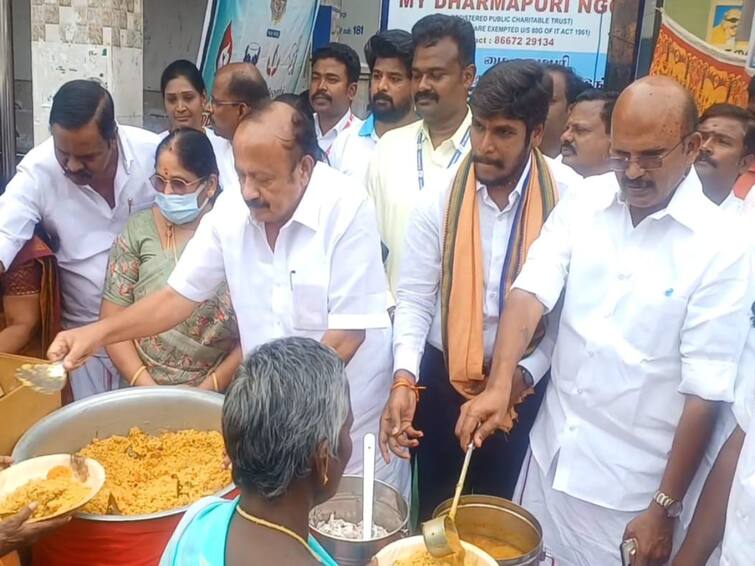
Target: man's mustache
323, 95
384, 97
638, 184
569, 148
256, 203
486, 161
426, 95
706, 158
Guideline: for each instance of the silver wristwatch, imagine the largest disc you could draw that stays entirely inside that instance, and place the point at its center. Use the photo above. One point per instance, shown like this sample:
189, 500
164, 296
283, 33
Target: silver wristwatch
529, 381
672, 506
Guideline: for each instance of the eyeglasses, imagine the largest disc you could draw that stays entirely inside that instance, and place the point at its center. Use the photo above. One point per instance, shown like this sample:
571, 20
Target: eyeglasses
179, 187
215, 102
644, 162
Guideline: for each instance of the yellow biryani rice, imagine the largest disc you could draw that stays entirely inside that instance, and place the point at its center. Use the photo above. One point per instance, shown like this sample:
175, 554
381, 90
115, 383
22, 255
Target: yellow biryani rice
424, 558
58, 492
148, 474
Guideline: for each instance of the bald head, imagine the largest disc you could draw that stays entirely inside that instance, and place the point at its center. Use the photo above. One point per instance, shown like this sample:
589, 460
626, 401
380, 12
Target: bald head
244, 83
238, 88
274, 148
657, 102
654, 141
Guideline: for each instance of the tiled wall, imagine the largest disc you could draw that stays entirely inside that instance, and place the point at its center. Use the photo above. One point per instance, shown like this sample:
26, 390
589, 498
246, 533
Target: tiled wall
117, 23
87, 39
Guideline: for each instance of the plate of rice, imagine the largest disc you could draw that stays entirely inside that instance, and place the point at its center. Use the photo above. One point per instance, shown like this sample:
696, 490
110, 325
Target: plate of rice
58, 484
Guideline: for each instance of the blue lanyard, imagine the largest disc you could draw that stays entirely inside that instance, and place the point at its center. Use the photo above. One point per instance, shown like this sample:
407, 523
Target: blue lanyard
454, 158
512, 242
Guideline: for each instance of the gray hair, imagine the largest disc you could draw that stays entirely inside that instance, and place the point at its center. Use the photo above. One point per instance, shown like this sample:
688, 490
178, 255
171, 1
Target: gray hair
289, 395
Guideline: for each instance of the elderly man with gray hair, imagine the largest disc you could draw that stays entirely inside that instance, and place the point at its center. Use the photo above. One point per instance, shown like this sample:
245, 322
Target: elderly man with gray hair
286, 421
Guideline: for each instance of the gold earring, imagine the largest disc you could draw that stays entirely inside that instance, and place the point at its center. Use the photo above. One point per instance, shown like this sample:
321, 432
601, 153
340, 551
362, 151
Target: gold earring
325, 479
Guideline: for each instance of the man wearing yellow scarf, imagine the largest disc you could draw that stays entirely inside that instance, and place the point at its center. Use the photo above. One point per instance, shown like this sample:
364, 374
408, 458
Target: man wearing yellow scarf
464, 247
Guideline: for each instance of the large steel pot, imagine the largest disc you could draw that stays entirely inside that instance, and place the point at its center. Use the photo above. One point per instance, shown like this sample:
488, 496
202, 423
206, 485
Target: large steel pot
391, 511
108, 540
501, 520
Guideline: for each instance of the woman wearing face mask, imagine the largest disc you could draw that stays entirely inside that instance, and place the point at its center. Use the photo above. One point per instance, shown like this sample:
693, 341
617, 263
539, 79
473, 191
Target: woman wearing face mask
204, 350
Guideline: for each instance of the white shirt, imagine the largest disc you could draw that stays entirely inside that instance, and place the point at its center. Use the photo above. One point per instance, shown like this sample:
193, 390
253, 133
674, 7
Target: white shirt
650, 314
732, 204
223, 150
352, 150
325, 273
326, 140
738, 547
78, 217
418, 316
393, 180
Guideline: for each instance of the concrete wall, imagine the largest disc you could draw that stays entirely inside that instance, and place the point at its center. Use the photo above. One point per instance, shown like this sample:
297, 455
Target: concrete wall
172, 30
22, 71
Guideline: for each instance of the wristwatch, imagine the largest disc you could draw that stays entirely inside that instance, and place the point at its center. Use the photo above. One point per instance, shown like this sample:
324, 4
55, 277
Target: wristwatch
529, 381
672, 507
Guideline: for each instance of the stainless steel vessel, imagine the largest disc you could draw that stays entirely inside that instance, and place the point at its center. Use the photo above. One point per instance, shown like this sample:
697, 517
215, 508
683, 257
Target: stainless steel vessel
390, 511
501, 520
152, 409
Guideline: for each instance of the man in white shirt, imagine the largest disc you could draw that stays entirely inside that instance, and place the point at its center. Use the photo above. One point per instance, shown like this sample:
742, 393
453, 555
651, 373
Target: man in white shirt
727, 504
238, 88
425, 155
302, 258
81, 185
586, 141
509, 106
335, 78
727, 151
653, 323
389, 56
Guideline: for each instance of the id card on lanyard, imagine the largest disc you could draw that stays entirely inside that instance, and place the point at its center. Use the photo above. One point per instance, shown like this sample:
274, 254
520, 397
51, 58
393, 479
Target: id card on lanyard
454, 158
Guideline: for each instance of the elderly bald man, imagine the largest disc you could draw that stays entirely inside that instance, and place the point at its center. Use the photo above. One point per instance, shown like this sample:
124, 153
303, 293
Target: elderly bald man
302, 258
653, 322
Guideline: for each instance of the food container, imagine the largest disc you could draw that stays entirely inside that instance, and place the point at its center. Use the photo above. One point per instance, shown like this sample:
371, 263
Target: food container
405, 548
38, 468
20, 407
391, 511
107, 540
501, 520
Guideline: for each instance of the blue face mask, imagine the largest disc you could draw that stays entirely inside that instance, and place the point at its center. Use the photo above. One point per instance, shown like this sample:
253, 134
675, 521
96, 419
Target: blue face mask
180, 209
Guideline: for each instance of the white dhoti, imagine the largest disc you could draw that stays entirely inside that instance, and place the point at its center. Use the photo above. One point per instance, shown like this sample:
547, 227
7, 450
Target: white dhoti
575, 532
370, 375
98, 375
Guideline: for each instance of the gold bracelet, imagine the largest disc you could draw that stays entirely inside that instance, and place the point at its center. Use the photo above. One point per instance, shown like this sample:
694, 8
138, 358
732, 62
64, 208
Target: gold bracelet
215, 382
136, 375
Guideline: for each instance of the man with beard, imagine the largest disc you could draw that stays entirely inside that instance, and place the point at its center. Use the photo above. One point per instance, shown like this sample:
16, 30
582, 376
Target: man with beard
653, 321
567, 85
424, 156
464, 245
301, 258
727, 151
335, 78
587, 138
81, 185
389, 56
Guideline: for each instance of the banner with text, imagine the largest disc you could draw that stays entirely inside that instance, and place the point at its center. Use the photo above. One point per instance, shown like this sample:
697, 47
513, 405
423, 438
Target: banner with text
573, 33
275, 35
710, 74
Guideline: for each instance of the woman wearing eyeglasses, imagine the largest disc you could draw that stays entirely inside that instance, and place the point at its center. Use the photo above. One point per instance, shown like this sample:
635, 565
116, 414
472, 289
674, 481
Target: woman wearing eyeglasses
204, 350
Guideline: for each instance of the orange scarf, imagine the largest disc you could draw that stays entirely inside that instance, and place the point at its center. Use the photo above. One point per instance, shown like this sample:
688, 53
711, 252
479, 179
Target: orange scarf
462, 282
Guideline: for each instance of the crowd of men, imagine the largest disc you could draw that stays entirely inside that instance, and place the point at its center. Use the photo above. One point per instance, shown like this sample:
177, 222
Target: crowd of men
516, 253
